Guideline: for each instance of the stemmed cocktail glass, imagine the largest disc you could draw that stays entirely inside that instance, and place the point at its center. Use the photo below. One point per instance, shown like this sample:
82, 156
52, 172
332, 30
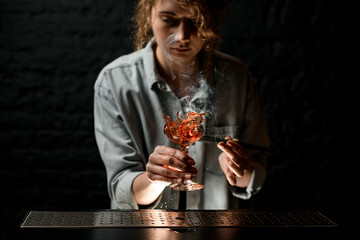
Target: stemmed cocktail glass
185, 131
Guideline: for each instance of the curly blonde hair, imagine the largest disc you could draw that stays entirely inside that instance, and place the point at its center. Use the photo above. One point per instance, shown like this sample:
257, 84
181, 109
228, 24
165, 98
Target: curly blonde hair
209, 14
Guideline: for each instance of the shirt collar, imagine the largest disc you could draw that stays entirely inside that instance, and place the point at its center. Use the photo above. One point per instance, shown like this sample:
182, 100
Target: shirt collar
151, 72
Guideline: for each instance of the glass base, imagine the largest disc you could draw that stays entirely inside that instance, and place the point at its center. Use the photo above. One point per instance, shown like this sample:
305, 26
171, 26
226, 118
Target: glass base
187, 186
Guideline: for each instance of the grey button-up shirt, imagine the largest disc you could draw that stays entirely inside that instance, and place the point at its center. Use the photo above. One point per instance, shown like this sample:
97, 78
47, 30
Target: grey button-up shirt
129, 101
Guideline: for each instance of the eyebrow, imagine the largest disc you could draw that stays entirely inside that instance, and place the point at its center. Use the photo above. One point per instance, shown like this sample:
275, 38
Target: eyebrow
166, 12
171, 13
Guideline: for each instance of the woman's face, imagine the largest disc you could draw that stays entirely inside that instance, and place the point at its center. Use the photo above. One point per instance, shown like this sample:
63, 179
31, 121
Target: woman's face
175, 33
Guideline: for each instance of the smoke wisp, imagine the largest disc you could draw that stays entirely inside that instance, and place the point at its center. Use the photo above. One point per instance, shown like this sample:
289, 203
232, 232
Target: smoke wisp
192, 81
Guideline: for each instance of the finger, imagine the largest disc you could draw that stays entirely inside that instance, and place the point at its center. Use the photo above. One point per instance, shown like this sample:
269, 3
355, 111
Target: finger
156, 172
237, 160
193, 171
179, 155
163, 150
172, 163
226, 149
227, 138
236, 147
230, 177
170, 160
237, 170
241, 151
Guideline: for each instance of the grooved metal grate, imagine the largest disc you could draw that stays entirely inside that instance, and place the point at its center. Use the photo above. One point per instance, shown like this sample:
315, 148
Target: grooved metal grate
163, 218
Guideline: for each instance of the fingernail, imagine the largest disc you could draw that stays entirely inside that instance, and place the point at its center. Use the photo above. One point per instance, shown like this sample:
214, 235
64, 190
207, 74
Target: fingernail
191, 162
230, 143
188, 176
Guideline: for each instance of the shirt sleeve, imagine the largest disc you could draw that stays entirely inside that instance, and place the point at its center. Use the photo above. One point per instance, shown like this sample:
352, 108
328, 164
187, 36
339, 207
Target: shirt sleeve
255, 131
122, 161
255, 184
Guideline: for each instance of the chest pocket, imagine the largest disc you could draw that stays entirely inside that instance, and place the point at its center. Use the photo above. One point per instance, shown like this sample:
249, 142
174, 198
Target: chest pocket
212, 152
223, 131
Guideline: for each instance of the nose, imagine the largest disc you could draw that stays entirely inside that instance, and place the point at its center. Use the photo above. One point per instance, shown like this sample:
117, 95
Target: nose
183, 32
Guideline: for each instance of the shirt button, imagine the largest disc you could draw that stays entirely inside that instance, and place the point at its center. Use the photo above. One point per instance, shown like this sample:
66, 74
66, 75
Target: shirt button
162, 86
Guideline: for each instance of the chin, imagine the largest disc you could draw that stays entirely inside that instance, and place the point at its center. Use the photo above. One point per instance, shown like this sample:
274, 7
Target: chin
182, 59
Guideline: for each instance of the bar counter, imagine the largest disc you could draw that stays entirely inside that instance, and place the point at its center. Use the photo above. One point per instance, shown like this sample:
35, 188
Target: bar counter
164, 224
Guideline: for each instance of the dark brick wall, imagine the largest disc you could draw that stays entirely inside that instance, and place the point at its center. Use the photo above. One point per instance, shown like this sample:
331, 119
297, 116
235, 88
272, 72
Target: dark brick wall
52, 51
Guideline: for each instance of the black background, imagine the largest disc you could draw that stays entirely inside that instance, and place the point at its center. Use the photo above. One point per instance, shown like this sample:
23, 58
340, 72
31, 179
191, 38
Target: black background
298, 51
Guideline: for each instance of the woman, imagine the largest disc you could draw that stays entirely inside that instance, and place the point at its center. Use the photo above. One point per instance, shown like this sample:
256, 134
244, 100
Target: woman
177, 69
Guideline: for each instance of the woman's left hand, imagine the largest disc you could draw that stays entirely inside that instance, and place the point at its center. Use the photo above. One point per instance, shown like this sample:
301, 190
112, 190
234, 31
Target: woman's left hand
235, 162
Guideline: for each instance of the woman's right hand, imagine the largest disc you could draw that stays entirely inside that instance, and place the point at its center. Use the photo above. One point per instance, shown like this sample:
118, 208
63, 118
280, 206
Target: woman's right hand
169, 165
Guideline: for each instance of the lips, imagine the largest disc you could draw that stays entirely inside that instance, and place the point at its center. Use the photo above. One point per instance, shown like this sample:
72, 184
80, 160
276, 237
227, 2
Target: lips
181, 50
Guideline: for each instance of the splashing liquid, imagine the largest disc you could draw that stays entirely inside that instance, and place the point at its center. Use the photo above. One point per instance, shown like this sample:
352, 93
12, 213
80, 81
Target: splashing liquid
185, 131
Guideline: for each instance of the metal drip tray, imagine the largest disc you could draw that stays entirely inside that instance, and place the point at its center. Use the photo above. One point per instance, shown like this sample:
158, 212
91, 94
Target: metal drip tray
163, 218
